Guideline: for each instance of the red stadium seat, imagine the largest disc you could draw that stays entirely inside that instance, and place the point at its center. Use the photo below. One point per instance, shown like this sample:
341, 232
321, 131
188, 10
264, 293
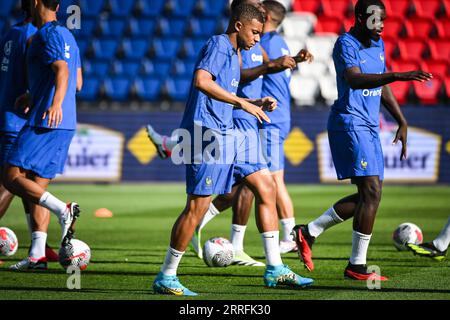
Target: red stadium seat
390, 46
428, 92
447, 86
393, 27
336, 8
436, 67
404, 66
446, 4
419, 28
440, 49
443, 28
401, 91
329, 24
397, 8
427, 8
411, 49
306, 5
348, 23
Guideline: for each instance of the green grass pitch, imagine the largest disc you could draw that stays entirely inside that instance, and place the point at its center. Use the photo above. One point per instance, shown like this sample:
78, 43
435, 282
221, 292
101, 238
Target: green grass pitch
128, 249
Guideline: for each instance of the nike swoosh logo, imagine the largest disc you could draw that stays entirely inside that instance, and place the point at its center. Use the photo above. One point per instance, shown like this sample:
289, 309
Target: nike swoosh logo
269, 237
175, 255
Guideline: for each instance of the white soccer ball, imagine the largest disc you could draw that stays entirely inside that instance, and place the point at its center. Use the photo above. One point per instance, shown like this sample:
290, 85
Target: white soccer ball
218, 252
8, 242
75, 253
407, 233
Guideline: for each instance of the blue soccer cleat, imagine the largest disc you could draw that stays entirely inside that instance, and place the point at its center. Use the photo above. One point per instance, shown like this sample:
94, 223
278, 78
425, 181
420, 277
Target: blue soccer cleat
282, 275
170, 285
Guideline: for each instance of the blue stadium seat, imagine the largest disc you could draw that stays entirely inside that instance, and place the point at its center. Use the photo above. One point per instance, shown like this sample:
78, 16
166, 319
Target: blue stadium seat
165, 49
112, 27
178, 88
121, 8
141, 27
180, 8
98, 68
126, 68
105, 48
171, 27
150, 8
6, 6
204, 27
135, 48
160, 69
2, 27
90, 8
211, 8
183, 68
91, 89
88, 26
118, 88
148, 88
192, 47
83, 45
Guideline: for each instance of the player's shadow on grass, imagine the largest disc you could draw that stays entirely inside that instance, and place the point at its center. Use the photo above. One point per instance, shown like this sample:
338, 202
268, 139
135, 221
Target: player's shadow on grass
336, 288
96, 291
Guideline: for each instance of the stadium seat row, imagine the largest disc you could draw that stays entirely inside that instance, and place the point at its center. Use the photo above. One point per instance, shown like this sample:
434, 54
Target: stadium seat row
395, 8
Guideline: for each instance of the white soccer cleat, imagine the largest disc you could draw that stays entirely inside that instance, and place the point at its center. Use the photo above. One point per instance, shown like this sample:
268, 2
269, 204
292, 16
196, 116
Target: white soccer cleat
159, 142
67, 221
287, 246
30, 264
243, 259
196, 243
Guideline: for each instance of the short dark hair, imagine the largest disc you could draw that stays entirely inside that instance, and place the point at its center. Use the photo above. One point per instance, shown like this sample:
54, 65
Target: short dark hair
51, 4
26, 7
362, 5
277, 10
246, 12
237, 3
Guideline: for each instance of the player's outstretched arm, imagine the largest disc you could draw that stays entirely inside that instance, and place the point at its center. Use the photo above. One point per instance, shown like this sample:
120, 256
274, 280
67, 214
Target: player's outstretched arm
358, 80
390, 102
203, 81
54, 113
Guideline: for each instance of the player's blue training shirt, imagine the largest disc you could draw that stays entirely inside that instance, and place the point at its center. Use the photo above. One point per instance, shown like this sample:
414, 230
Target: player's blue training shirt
13, 81
52, 43
277, 85
356, 109
251, 90
220, 59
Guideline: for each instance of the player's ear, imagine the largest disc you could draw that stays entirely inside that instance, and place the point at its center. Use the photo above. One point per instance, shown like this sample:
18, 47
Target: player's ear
238, 26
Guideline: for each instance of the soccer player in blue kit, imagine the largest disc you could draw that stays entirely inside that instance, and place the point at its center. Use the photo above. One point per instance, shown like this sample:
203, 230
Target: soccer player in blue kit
210, 109
41, 148
13, 84
353, 131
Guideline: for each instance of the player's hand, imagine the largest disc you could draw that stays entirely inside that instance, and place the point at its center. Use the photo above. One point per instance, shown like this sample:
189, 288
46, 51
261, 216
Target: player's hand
282, 63
254, 110
55, 116
23, 103
304, 56
419, 75
402, 135
269, 104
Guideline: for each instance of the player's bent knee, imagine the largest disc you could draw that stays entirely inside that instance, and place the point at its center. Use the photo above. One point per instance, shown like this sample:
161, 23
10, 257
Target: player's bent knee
372, 191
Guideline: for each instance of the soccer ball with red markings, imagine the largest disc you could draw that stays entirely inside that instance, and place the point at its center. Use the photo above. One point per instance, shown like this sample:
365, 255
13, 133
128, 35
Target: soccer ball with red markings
407, 233
218, 252
74, 253
8, 242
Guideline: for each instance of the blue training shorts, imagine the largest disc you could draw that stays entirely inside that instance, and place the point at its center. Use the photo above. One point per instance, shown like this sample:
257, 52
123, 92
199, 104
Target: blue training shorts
273, 139
7, 141
249, 158
356, 154
42, 151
